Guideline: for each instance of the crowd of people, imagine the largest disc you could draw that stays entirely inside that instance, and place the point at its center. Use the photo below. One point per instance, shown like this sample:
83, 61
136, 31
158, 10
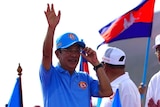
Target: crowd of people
63, 86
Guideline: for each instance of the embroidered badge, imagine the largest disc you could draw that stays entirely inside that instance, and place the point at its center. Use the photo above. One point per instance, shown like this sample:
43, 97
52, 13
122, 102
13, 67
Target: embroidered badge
71, 36
82, 84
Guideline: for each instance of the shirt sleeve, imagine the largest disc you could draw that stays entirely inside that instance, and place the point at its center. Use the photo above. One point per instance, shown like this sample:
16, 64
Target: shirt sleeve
45, 76
94, 86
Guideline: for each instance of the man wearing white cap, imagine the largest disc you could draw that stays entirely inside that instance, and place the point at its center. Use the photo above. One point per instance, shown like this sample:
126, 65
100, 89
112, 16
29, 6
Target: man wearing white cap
153, 91
114, 65
62, 85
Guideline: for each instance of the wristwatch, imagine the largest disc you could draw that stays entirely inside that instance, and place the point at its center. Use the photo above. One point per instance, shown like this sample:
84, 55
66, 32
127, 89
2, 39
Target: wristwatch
98, 66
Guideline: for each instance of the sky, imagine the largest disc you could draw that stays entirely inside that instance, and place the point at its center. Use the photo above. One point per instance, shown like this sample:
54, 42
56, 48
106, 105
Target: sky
23, 28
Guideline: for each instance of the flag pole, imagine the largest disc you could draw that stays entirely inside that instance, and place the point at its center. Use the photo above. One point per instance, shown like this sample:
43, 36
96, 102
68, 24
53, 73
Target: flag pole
99, 102
145, 65
19, 70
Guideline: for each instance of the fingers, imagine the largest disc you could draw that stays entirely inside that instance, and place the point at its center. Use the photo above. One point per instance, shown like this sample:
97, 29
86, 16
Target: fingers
52, 18
151, 103
49, 9
59, 14
158, 103
142, 85
88, 50
142, 88
90, 56
52, 7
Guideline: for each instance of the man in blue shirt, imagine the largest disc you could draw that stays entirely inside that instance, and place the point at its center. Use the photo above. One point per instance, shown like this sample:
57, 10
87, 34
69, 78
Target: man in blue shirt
62, 86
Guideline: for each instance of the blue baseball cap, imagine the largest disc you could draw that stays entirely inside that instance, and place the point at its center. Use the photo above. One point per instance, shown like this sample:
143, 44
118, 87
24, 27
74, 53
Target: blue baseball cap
68, 39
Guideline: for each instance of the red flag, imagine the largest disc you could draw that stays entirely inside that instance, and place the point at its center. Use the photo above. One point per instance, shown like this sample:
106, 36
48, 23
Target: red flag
133, 24
84, 65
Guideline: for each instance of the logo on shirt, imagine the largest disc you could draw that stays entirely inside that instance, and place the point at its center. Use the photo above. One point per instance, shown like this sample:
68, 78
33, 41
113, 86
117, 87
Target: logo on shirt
82, 84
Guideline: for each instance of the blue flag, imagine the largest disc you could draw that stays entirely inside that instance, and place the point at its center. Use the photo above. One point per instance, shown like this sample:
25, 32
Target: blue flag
15, 97
116, 100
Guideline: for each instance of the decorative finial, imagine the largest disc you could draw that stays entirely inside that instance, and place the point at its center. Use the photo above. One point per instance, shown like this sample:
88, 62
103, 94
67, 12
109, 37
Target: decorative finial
19, 70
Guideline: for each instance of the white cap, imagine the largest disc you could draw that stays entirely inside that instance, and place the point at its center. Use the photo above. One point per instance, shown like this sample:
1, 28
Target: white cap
114, 56
157, 41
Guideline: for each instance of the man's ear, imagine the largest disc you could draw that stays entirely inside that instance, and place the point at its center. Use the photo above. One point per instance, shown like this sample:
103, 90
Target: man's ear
57, 53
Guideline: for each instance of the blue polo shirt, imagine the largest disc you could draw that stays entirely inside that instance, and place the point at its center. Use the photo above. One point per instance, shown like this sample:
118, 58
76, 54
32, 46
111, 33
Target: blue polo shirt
60, 89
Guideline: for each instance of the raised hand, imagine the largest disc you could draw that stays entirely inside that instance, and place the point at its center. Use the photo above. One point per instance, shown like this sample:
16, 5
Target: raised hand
152, 104
51, 16
90, 56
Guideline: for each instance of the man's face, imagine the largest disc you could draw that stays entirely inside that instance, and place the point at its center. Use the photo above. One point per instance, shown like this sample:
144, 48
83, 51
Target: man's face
69, 57
158, 52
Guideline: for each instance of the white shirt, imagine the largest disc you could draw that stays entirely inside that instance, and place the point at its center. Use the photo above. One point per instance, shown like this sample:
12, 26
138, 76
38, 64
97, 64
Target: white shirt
153, 90
129, 94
